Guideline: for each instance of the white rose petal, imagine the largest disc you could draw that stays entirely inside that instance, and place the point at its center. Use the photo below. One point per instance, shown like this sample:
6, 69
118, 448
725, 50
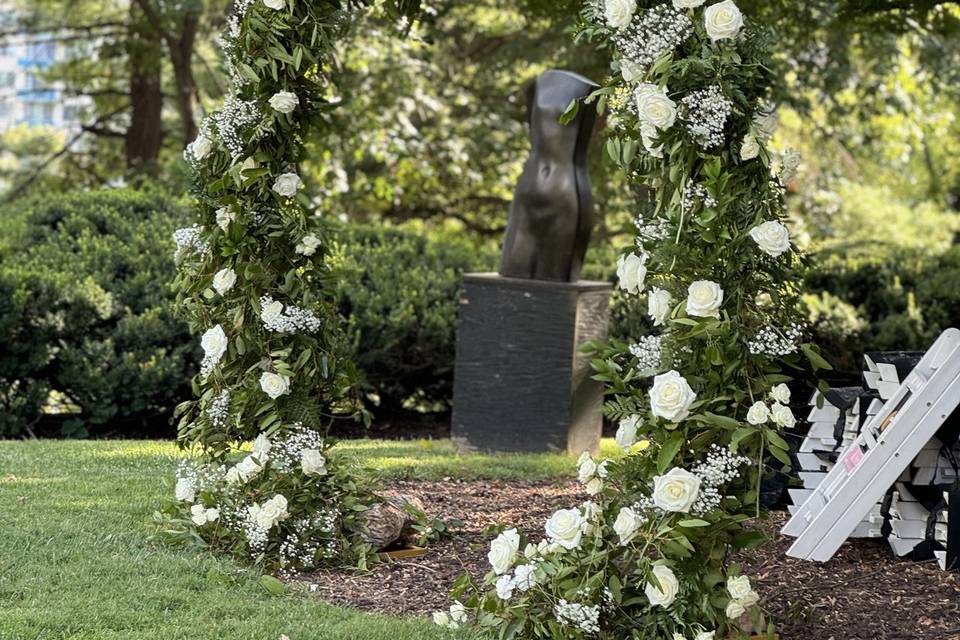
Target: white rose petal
750, 599
593, 487
214, 343
213, 515
654, 106
705, 635
738, 587
758, 414
441, 618
525, 577
781, 393
245, 469
666, 593
275, 4
185, 490
284, 102
565, 528
274, 384
505, 587
261, 448
271, 312
198, 513
287, 185
627, 432
630, 70
735, 610
750, 148
458, 612
773, 238
687, 4
782, 416
225, 216
671, 397
659, 306
201, 147
704, 299
723, 20
627, 524
676, 491
312, 462
503, 551
308, 245
648, 134
619, 13
789, 165
631, 272
224, 280
587, 468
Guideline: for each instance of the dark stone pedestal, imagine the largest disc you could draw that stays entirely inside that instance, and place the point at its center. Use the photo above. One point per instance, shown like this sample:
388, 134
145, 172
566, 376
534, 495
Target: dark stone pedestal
521, 384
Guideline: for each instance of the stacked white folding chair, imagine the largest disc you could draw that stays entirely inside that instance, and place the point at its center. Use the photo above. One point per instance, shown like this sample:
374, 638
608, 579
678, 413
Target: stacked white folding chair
895, 446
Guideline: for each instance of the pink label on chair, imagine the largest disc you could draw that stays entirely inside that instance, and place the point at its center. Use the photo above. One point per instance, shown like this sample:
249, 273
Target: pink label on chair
853, 458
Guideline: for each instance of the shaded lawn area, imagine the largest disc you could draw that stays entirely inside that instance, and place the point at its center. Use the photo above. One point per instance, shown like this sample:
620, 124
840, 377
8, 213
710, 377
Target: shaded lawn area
75, 562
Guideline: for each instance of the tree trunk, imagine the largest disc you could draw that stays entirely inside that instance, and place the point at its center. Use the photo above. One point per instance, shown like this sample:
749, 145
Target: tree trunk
145, 135
181, 55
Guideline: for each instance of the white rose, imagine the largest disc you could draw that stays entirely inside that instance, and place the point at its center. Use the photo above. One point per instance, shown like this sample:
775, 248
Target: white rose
763, 300
284, 102
789, 164
201, 147
213, 515
505, 587
225, 215
750, 148
705, 635
233, 476
271, 312
735, 610
687, 4
619, 13
704, 299
654, 106
765, 124
587, 468
659, 306
214, 343
287, 185
275, 4
627, 524
525, 577
530, 551
308, 245
274, 384
441, 618
738, 587
758, 414
666, 593
632, 271
565, 527
671, 397
627, 432
249, 163
313, 463
198, 513
782, 416
678, 636
593, 487
781, 393
224, 280
723, 20
750, 599
458, 612
246, 469
261, 448
503, 551
185, 490
630, 70
271, 512
676, 491
772, 237
648, 135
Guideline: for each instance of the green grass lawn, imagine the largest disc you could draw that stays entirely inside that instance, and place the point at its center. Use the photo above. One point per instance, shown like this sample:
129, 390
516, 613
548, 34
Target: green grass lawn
75, 562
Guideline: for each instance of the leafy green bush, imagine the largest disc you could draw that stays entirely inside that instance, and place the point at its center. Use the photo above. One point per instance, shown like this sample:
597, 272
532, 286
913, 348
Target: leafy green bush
398, 291
85, 300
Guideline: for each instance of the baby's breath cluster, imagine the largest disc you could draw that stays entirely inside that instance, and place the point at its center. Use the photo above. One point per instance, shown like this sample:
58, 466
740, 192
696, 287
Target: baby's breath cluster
775, 342
705, 113
649, 36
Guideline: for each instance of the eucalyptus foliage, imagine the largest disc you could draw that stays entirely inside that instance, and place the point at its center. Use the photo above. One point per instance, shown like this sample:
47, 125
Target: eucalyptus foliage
649, 556
254, 279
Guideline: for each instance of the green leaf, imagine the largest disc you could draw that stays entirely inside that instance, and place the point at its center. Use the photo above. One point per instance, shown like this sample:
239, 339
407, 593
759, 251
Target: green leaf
271, 585
669, 450
693, 523
816, 360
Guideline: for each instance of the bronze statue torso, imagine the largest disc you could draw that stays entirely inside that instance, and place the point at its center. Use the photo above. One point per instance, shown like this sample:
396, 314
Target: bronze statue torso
552, 212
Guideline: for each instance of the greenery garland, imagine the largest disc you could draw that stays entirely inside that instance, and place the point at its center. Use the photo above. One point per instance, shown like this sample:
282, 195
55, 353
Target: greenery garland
253, 279
702, 404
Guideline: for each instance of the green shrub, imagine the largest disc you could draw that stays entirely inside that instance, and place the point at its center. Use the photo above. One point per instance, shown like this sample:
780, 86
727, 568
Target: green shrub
84, 293
399, 292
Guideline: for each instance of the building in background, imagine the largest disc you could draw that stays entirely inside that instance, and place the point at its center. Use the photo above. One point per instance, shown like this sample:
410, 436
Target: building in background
26, 98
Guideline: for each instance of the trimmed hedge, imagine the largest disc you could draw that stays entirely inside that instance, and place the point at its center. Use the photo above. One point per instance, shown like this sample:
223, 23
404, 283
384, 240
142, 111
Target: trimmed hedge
86, 307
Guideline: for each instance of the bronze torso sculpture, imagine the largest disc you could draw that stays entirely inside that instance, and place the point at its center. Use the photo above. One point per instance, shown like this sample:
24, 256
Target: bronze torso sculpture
552, 212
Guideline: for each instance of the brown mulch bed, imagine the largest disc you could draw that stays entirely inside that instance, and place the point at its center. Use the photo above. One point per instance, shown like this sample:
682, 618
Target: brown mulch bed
864, 593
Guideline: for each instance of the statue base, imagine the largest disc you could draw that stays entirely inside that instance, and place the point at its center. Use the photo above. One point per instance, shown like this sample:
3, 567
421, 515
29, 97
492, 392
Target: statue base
521, 383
